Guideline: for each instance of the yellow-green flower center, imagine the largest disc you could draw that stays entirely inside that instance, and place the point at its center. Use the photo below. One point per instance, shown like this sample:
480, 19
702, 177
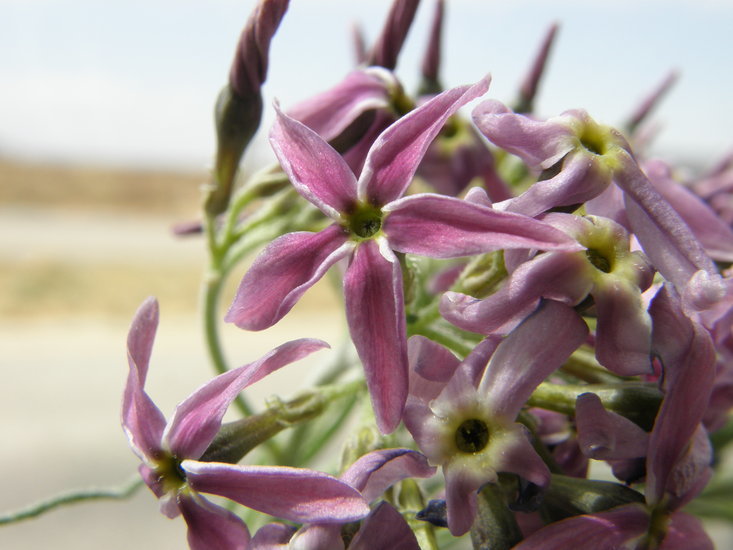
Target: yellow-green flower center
472, 436
170, 473
599, 260
365, 221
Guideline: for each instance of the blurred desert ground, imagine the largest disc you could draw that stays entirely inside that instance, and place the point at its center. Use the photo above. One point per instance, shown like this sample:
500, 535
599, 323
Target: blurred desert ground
80, 249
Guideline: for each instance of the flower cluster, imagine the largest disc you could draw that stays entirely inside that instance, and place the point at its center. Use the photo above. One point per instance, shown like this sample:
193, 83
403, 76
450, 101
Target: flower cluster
525, 297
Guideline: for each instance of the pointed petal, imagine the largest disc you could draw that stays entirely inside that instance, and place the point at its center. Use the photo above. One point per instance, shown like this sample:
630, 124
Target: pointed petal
624, 330
554, 276
395, 155
688, 360
460, 496
604, 531
539, 143
315, 169
579, 180
519, 457
142, 421
317, 537
605, 435
283, 271
197, 419
384, 528
211, 527
272, 536
529, 354
431, 366
712, 232
377, 471
329, 113
446, 227
294, 494
666, 239
376, 317
685, 531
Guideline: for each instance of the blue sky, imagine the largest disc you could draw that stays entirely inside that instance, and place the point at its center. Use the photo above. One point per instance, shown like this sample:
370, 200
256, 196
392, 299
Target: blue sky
133, 82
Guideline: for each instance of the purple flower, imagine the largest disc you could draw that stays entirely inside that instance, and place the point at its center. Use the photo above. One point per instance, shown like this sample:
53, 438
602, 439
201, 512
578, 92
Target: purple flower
371, 222
677, 456
385, 527
464, 417
170, 451
582, 159
607, 271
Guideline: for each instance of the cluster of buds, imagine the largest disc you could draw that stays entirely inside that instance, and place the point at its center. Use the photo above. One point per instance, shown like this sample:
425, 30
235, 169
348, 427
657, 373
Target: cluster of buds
526, 297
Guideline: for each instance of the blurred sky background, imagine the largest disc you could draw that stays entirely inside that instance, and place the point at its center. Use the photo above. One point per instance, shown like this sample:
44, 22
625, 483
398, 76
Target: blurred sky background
133, 82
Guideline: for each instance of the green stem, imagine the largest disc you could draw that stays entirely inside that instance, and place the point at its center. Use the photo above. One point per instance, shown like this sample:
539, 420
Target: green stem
123, 491
212, 286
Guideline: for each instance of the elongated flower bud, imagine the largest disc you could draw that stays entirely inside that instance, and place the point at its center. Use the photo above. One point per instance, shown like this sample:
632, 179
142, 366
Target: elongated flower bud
239, 106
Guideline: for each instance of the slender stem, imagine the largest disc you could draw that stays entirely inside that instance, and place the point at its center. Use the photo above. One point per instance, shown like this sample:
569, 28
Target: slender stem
123, 491
212, 286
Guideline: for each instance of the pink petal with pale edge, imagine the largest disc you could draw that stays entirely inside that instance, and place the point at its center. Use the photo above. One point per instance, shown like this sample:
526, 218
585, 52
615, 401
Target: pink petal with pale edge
283, 271
393, 158
315, 169
197, 420
376, 317
211, 527
446, 227
294, 494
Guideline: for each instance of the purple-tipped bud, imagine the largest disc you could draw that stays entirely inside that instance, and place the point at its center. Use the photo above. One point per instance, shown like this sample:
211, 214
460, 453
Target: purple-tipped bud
388, 46
249, 69
528, 89
359, 42
645, 107
431, 61
239, 106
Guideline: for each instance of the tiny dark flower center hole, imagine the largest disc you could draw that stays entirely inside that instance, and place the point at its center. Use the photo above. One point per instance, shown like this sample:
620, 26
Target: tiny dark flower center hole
472, 436
365, 222
599, 261
593, 142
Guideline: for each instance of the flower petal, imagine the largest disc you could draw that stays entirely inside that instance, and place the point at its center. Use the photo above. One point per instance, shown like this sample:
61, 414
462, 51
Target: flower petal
529, 354
579, 180
605, 435
623, 333
330, 112
460, 496
666, 239
197, 419
384, 528
446, 227
553, 276
539, 143
685, 531
395, 155
375, 313
317, 536
283, 271
294, 494
605, 531
315, 169
377, 471
712, 232
211, 527
141, 419
431, 366
519, 457
273, 536
688, 359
